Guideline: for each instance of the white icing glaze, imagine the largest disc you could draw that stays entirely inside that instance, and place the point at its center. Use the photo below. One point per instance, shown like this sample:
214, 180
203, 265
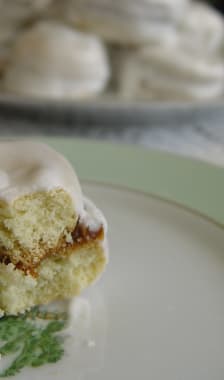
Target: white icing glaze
172, 74
27, 167
124, 21
202, 29
191, 68
93, 217
15, 13
52, 59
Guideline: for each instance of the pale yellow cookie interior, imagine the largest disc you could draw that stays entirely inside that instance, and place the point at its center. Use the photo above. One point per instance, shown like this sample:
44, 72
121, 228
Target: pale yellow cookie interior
35, 223
57, 278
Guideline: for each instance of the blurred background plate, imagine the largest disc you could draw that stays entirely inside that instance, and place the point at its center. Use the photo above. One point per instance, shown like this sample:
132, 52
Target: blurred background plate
108, 111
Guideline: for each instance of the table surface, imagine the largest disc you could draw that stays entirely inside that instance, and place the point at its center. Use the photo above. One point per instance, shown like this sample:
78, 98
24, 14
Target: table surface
196, 131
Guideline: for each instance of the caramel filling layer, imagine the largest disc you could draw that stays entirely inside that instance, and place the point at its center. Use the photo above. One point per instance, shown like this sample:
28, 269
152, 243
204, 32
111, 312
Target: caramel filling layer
29, 262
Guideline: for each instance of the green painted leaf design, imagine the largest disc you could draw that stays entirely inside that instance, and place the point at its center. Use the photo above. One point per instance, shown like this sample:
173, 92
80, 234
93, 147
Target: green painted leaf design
35, 344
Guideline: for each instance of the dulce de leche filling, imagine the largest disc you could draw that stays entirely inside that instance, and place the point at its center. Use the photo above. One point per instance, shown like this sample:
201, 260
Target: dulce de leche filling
29, 262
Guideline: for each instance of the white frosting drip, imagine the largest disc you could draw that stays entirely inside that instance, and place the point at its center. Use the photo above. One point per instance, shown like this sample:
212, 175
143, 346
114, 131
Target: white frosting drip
52, 59
27, 167
92, 217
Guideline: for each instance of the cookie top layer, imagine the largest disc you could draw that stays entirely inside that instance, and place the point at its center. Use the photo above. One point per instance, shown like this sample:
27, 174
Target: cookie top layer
27, 167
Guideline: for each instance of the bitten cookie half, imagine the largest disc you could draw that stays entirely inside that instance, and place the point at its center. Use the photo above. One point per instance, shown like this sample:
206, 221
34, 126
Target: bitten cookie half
52, 239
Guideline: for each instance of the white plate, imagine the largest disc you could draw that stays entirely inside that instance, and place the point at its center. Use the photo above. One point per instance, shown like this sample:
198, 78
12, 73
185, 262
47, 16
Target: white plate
157, 313
164, 291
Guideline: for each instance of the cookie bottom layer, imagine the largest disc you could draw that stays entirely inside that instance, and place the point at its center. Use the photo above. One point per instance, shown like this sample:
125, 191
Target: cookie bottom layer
57, 278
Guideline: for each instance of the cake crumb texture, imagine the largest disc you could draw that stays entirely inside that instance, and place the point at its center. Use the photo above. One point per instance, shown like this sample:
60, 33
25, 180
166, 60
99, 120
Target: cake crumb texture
57, 278
35, 223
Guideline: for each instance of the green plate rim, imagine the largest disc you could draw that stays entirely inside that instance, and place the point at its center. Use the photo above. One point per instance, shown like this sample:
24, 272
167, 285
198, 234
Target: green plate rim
191, 183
